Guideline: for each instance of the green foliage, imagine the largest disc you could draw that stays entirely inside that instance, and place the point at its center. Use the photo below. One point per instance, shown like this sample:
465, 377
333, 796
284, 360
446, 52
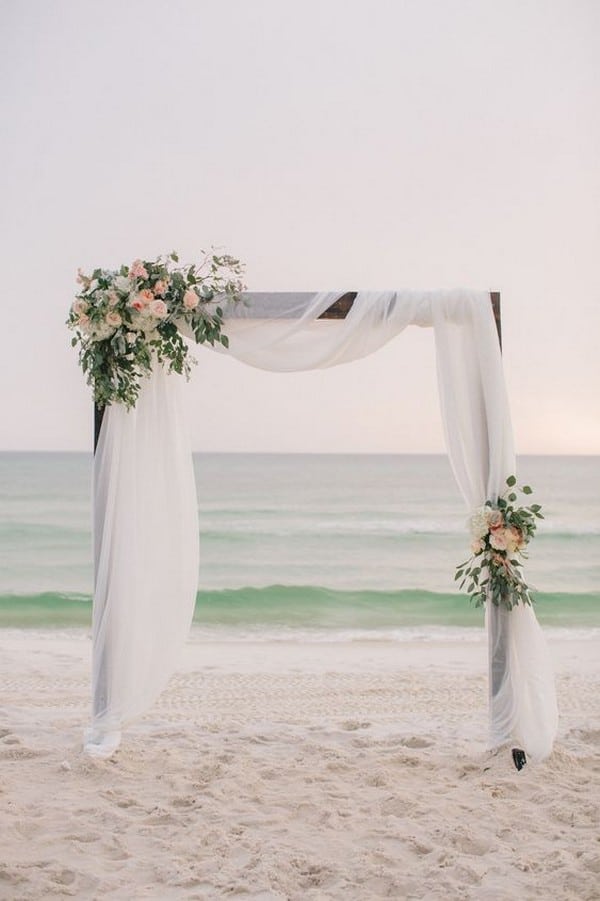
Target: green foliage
126, 319
501, 532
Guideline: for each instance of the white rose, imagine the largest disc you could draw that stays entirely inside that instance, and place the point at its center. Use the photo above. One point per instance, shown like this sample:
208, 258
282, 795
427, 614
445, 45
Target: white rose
101, 331
137, 323
494, 518
478, 523
159, 309
122, 284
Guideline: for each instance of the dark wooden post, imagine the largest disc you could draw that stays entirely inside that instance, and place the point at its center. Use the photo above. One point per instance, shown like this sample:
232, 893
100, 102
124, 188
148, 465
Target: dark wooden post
98, 416
495, 298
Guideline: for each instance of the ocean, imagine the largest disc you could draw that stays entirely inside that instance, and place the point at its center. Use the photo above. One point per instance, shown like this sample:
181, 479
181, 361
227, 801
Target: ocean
307, 546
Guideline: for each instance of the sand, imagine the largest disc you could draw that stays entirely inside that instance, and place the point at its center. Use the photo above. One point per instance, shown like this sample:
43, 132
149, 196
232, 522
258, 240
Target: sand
285, 771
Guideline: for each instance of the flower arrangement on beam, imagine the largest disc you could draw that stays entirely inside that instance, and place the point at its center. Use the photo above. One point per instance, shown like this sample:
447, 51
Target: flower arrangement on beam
500, 533
125, 318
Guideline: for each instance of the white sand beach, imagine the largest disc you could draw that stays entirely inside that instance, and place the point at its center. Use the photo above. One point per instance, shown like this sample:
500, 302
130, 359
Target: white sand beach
350, 770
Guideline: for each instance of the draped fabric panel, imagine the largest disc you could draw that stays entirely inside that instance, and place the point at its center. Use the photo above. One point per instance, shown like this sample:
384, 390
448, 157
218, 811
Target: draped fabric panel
145, 488
146, 556
477, 426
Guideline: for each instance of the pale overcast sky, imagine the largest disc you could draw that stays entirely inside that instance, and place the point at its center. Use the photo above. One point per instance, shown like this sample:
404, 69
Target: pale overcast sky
333, 144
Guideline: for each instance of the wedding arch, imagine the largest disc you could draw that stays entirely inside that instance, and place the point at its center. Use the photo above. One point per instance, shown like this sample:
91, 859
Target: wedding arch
145, 507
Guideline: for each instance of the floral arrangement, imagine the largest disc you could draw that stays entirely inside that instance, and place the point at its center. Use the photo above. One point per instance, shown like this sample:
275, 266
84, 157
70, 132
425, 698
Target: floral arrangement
125, 318
500, 534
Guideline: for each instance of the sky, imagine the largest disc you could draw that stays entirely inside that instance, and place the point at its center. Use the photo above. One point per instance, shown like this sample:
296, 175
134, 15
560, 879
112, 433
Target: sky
338, 144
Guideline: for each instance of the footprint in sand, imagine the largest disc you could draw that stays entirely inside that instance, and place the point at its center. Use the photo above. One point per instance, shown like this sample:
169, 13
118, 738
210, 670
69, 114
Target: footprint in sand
17, 753
353, 725
468, 844
85, 838
183, 802
592, 736
415, 741
63, 876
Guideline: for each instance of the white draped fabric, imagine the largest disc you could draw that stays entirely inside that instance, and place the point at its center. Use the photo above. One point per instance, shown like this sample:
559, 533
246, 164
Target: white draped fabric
146, 556
144, 489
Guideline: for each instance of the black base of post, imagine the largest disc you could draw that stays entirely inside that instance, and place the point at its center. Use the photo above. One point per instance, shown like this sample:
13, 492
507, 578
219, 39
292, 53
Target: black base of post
519, 758
98, 416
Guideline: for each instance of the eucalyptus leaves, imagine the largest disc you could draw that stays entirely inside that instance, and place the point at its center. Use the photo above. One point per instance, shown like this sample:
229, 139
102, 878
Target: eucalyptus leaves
125, 318
500, 534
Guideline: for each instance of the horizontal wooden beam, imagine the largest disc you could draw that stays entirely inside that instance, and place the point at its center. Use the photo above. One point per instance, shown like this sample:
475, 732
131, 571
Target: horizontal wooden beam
343, 305
285, 305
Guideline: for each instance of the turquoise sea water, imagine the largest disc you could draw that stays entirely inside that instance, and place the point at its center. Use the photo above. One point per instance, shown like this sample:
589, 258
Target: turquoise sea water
297, 542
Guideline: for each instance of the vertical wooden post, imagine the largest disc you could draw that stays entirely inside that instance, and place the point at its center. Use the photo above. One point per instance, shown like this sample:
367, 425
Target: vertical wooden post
495, 298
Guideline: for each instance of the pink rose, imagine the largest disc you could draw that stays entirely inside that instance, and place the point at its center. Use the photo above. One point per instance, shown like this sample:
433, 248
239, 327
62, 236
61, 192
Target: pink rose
159, 309
498, 539
137, 304
79, 306
113, 318
137, 270
477, 546
112, 298
160, 288
83, 322
146, 296
190, 299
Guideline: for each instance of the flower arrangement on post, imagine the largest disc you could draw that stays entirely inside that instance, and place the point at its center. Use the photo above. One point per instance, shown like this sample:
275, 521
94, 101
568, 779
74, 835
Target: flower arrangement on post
500, 534
124, 318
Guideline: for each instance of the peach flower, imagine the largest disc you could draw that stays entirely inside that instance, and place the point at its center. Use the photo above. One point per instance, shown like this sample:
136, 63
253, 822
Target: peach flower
83, 279
83, 322
477, 546
146, 296
113, 318
190, 299
514, 539
79, 306
498, 539
159, 309
160, 288
138, 270
112, 298
137, 304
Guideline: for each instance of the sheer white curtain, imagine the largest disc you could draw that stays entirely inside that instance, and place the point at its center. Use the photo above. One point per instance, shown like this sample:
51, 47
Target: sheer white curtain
285, 334
146, 556
476, 420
